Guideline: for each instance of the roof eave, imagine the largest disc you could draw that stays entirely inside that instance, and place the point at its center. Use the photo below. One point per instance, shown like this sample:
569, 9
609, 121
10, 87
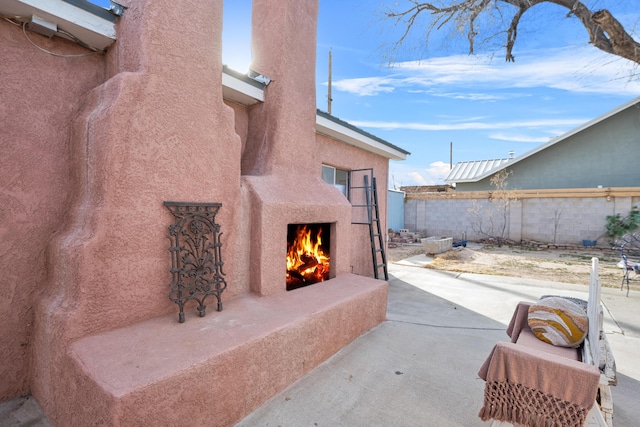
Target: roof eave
87, 22
348, 135
239, 90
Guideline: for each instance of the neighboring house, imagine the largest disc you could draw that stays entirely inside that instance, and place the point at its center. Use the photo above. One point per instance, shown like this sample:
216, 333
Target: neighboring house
559, 193
465, 172
604, 152
95, 142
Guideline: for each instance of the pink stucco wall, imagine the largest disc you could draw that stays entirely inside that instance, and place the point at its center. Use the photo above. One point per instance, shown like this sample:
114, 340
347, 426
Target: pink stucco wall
156, 130
342, 156
40, 96
241, 120
95, 145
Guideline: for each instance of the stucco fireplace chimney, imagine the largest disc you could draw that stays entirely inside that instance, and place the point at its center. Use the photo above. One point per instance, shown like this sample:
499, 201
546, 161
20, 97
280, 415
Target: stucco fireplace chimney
280, 169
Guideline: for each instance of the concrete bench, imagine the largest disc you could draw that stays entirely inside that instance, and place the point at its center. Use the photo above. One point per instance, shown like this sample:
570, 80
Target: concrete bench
215, 370
436, 245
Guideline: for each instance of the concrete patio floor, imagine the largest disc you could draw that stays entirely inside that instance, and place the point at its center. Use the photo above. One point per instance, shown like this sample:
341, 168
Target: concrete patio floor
419, 367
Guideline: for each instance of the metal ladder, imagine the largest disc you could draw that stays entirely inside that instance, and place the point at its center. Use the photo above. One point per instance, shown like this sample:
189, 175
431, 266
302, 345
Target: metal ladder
378, 254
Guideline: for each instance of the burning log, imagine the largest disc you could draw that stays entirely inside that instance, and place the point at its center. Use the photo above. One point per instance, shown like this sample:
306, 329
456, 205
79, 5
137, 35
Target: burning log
306, 260
297, 280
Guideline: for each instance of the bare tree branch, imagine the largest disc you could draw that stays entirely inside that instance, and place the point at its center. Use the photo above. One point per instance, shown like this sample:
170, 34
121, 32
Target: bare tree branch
621, 43
471, 34
512, 34
604, 30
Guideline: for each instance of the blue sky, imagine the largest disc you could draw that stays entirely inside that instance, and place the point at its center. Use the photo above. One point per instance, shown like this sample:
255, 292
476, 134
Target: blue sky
480, 104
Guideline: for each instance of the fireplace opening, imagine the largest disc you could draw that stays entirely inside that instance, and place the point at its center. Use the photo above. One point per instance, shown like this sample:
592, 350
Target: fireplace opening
308, 258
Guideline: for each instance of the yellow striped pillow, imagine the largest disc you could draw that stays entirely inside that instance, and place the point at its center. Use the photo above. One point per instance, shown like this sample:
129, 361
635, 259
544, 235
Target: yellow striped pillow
558, 321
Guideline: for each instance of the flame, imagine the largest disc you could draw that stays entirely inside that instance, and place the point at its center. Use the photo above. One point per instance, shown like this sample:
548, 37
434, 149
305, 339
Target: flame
306, 261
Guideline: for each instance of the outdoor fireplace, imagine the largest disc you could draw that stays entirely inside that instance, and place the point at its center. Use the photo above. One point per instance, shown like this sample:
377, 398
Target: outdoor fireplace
308, 254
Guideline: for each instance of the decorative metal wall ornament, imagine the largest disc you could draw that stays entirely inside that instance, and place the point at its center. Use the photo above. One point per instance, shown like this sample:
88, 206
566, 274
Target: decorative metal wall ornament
196, 260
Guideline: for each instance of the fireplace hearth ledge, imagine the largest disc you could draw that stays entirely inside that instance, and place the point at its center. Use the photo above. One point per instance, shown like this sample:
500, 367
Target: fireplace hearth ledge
217, 369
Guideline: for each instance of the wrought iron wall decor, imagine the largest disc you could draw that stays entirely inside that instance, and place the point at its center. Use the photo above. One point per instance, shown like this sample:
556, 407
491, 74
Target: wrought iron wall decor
196, 259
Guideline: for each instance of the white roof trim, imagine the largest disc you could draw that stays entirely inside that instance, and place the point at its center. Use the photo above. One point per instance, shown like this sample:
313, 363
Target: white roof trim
86, 26
241, 92
334, 130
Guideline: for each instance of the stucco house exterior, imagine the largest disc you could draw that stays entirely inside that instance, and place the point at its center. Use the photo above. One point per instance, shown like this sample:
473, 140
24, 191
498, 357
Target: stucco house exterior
558, 194
604, 152
107, 116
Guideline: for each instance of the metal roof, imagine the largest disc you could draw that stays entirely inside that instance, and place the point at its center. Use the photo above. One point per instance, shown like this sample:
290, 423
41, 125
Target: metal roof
469, 171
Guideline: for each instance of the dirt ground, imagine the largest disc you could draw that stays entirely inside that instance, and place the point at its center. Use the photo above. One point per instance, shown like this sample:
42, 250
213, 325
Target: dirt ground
567, 266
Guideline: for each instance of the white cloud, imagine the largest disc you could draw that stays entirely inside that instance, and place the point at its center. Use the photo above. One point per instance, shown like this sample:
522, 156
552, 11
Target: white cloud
469, 125
418, 179
519, 137
366, 86
582, 69
472, 96
461, 119
438, 171
402, 174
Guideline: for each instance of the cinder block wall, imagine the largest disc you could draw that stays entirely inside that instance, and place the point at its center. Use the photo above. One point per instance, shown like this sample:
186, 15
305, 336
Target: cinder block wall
559, 220
440, 217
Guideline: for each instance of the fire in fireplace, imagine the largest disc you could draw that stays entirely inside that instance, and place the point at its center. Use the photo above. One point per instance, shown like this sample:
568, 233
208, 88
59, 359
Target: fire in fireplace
307, 254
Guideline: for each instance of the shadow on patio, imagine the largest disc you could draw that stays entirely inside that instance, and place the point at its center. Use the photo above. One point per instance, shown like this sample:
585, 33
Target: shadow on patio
419, 368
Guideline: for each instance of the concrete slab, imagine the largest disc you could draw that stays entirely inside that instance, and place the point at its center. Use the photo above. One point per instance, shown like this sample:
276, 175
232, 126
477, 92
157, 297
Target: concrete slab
23, 412
416, 261
419, 367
